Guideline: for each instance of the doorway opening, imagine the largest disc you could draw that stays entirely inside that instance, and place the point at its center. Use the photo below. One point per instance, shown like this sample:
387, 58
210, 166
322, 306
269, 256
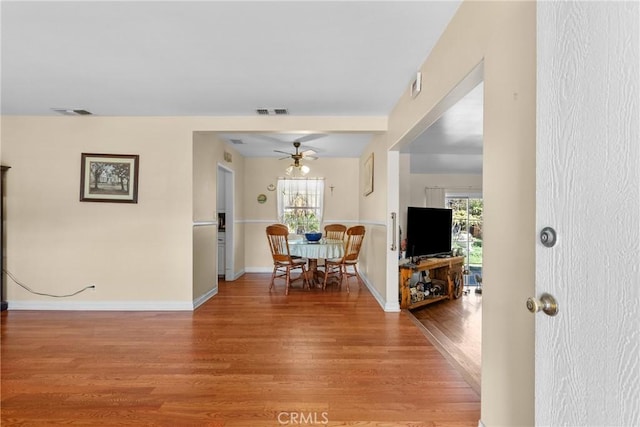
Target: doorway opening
224, 208
444, 152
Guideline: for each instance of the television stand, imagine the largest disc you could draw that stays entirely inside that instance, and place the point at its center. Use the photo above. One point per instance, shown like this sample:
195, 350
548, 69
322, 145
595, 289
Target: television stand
448, 270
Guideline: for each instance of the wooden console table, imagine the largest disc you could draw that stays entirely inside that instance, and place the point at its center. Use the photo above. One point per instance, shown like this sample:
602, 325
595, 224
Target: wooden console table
447, 270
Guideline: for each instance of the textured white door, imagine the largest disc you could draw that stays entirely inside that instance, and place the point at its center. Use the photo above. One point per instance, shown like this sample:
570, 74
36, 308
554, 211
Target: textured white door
588, 190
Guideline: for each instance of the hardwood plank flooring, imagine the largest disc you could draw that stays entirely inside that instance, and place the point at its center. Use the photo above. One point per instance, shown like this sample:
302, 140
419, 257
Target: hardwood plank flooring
455, 327
247, 357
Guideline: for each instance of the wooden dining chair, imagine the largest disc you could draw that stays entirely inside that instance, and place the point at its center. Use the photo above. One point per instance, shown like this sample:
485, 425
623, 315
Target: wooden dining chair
283, 263
339, 266
335, 231
284, 226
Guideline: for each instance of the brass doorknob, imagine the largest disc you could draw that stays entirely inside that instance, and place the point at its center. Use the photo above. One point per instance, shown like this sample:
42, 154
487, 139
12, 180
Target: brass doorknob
547, 303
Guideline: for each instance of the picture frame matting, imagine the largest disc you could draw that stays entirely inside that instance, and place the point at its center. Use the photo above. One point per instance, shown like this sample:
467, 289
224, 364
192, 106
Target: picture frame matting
109, 178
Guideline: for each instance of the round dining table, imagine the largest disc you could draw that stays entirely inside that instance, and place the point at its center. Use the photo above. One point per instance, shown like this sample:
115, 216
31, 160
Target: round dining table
322, 249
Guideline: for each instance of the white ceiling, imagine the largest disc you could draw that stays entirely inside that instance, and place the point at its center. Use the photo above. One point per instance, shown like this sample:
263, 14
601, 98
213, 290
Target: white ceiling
325, 145
452, 144
220, 58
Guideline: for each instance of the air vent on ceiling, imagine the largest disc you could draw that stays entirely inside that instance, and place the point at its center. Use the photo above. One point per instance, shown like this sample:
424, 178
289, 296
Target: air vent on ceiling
272, 111
236, 141
72, 112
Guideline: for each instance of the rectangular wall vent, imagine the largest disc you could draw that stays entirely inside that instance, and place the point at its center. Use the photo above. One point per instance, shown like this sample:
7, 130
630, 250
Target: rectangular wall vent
72, 112
272, 111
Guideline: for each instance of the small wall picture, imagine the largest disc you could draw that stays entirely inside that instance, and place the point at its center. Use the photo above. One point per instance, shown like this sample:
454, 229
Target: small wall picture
109, 178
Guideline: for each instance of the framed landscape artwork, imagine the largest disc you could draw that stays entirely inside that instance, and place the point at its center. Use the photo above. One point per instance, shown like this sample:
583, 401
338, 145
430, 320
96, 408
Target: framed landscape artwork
109, 178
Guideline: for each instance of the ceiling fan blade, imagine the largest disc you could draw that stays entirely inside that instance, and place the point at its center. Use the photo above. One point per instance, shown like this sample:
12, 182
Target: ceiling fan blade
308, 153
282, 158
310, 157
310, 137
283, 152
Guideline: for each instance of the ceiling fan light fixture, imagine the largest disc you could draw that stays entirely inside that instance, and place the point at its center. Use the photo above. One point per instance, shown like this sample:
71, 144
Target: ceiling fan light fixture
297, 169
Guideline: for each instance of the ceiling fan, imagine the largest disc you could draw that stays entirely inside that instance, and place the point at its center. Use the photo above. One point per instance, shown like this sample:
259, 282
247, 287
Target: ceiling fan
297, 157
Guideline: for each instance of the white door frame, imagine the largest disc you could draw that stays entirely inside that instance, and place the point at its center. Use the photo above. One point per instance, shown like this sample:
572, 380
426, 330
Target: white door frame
229, 260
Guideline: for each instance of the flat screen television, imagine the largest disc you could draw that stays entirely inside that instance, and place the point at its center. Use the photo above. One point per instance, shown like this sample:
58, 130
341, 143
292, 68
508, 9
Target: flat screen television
428, 232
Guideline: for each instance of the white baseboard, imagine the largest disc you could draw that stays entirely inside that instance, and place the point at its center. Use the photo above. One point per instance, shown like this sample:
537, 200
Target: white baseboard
204, 298
258, 269
386, 305
238, 274
392, 307
102, 305
166, 305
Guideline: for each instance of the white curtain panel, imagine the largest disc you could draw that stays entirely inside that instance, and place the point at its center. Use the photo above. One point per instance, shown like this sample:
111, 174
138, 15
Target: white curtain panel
309, 191
434, 197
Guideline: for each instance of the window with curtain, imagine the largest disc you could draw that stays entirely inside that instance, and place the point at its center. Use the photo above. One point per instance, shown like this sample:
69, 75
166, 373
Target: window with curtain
300, 203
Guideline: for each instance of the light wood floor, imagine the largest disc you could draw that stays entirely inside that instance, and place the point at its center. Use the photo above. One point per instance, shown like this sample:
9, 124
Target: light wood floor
455, 327
245, 358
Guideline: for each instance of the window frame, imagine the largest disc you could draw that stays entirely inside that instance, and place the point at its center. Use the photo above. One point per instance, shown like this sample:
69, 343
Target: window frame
300, 203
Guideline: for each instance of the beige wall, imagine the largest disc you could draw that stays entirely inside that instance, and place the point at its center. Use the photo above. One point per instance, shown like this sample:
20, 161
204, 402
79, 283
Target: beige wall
205, 262
205, 227
208, 153
452, 183
502, 34
373, 214
339, 206
137, 255
145, 255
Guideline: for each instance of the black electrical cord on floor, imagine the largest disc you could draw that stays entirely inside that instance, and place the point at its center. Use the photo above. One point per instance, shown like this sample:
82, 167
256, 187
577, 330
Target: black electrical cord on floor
44, 294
